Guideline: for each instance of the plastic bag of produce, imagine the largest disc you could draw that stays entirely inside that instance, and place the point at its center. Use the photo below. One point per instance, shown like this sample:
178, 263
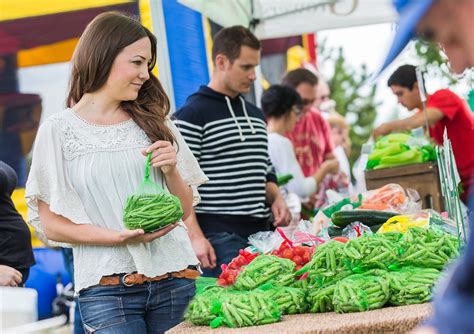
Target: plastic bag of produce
428, 248
151, 207
320, 298
290, 300
402, 223
391, 197
412, 285
246, 309
266, 241
359, 293
230, 271
266, 269
327, 265
202, 309
371, 251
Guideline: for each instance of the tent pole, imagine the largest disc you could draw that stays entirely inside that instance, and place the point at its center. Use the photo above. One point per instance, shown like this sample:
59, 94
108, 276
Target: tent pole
163, 59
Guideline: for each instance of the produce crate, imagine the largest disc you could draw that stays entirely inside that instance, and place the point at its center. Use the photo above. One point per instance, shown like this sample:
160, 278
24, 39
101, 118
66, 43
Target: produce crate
394, 320
424, 178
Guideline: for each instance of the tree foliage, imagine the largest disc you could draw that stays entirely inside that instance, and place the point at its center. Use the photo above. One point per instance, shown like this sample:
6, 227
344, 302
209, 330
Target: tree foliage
354, 96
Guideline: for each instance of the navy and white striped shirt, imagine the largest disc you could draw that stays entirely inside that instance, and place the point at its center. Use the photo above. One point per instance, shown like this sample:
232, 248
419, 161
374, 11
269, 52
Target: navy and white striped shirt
228, 137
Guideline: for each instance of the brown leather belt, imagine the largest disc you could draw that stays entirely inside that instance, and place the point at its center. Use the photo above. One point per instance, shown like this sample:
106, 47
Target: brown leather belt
132, 279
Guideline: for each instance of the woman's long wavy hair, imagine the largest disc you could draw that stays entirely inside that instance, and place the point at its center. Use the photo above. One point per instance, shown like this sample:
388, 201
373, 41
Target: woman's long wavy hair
103, 39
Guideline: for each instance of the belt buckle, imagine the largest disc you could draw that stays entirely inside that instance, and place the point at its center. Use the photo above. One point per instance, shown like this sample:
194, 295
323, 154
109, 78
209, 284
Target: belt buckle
124, 283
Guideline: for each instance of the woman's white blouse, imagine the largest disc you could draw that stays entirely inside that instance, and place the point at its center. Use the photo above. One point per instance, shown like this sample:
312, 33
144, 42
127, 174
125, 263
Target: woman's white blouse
85, 172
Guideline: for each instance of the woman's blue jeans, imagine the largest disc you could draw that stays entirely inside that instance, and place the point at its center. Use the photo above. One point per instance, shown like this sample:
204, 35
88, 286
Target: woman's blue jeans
152, 307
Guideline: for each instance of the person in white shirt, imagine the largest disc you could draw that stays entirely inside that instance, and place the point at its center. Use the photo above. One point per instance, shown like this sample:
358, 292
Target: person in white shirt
89, 158
282, 107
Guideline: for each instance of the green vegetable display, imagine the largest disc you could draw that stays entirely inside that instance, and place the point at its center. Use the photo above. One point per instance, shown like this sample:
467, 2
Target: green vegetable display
289, 300
151, 208
358, 293
266, 269
394, 150
412, 285
430, 248
371, 251
204, 307
247, 309
320, 299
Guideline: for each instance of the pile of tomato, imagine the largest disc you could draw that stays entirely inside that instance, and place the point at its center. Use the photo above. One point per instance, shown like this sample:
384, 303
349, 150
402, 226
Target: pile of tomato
230, 271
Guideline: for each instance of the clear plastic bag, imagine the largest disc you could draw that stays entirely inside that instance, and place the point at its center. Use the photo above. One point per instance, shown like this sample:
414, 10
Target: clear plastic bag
355, 230
391, 197
266, 241
151, 207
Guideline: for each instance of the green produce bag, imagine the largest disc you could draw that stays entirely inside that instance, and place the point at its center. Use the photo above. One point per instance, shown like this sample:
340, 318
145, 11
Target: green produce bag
359, 293
246, 309
266, 269
205, 306
151, 207
428, 248
327, 265
320, 298
289, 300
371, 251
412, 285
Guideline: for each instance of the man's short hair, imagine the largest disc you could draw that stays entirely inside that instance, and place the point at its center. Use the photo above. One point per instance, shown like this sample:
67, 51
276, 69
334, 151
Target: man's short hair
297, 77
228, 42
404, 76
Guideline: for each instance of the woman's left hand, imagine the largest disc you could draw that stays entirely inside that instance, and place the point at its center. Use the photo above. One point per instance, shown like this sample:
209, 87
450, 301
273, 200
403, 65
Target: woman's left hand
163, 156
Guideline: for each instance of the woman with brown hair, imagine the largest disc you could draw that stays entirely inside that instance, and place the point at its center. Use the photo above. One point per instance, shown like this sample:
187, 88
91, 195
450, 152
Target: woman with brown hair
90, 157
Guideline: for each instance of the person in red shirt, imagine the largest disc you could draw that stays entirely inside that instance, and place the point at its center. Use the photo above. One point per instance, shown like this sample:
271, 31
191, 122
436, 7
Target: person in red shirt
311, 136
444, 109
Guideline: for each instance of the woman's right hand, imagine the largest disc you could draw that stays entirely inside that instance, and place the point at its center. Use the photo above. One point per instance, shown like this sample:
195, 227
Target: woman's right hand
139, 236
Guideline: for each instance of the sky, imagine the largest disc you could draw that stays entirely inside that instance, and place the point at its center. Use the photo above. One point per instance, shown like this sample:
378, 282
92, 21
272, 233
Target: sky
362, 45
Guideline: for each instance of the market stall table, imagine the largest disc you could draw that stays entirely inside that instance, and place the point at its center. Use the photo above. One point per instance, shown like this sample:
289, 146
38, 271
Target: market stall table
399, 319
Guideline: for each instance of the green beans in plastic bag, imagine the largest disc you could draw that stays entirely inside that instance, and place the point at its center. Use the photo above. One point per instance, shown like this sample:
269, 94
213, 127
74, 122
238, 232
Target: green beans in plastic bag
266, 269
412, 285
151, 207
247, 308
359, 293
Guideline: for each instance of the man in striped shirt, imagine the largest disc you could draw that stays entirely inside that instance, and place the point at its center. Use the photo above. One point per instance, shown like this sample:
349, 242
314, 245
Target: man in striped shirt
228, 137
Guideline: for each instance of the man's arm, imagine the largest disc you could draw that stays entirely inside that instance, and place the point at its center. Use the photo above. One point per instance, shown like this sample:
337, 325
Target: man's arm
433, 115
281, 214
201, 246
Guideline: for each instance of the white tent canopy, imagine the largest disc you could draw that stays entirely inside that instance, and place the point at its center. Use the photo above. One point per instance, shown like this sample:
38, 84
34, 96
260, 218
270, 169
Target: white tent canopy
282, 18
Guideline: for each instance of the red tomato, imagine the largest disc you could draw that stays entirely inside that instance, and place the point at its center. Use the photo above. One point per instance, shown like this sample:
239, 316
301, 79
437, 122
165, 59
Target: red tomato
221, 282
287, 254
297, 259
224, 274
300, 250
230, 279
341, 239
298, 267
306, 257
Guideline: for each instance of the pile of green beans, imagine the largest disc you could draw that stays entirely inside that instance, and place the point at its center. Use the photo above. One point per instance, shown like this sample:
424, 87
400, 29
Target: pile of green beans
371, 251
328, 264
359, 293
320, 299
290, 300
266, 269
201, 310
247, 309
428, 248
412, 285
152, 212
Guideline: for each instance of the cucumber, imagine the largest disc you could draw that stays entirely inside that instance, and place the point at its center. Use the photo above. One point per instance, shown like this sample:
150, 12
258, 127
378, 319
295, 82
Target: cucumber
366, 217
335, 231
